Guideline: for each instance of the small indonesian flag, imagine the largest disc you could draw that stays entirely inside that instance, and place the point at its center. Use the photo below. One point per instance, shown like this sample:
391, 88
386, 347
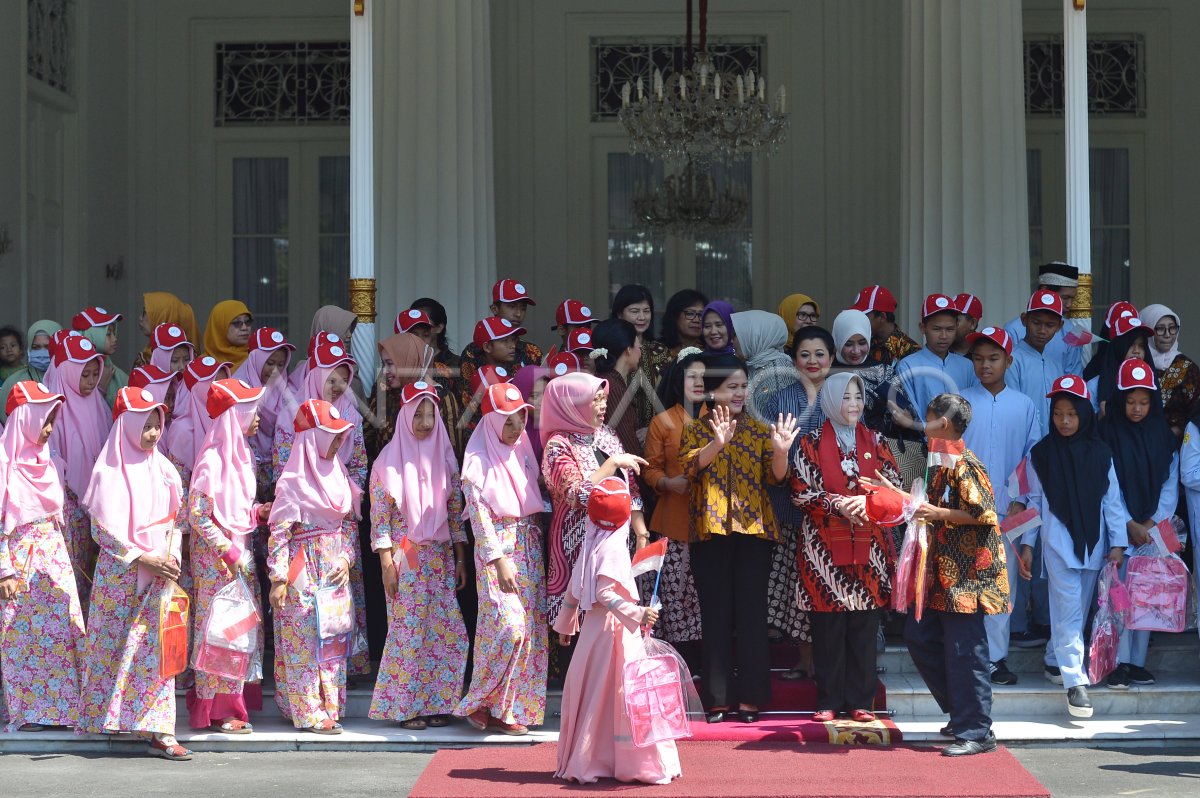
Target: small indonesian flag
298, 572
1077, 335
240, 628
650, 558
1018, 481
1163, 535
945, 453
405, 558
1018, 524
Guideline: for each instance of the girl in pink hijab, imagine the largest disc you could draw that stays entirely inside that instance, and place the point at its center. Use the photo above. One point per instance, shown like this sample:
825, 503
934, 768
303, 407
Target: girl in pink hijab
500, 485
41, 624
266, 367
162, 385
133, 498
595, 740
313, 543
417, 530
82, 425
223, 514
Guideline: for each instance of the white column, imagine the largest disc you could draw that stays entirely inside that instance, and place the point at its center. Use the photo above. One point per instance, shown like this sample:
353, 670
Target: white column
1075, 122
963, 184
362, 191
437, 205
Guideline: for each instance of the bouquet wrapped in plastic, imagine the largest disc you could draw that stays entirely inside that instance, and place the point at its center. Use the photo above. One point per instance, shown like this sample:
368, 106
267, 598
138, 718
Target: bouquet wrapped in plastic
660, 695
231, 642
1158, 590
909, 585
1108, 624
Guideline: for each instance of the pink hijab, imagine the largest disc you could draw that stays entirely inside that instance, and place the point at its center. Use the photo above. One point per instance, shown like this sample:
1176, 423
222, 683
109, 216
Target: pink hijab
567, 404
312, 489
417, 473
277, 400
162, 357
225, 471
605, 549
82, 424
32, 486
185, 436
314, 388
506, 476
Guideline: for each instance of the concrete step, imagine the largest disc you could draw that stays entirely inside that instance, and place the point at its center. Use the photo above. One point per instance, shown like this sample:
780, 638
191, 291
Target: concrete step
1129, 729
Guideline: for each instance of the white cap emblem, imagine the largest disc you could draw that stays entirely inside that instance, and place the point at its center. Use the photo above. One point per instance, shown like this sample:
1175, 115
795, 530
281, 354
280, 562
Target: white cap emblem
1067, 382
512, 394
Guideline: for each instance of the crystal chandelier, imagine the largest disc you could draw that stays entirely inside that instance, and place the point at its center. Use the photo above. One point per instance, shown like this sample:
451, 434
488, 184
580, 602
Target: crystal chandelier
702, 114
688, 204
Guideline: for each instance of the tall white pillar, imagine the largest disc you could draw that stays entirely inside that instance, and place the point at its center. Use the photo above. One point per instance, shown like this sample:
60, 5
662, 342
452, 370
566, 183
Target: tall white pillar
1075, 122
965, 204
437, 205
362, 188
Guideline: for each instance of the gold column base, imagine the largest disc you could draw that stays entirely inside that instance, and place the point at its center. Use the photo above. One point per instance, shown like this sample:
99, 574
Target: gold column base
1081, 308
362, 299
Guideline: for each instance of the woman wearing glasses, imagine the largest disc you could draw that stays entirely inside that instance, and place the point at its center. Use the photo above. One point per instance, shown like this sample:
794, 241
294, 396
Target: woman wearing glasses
681, 325
1178, 376
799, 310
227, 335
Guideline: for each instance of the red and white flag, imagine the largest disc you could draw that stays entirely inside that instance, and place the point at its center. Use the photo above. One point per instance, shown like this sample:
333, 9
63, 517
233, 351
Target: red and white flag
1018, 524
1077, 335
298, 571
1163, 534
945, 453
1018, 481
405, 557
650, 558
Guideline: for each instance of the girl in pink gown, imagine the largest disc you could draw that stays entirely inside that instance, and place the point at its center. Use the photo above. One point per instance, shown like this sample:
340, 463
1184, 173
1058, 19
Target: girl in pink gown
595, 740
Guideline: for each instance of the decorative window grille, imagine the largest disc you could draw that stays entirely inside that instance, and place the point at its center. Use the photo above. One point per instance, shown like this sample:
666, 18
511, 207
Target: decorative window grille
50, 42
1116, 76
282, 83
616, 62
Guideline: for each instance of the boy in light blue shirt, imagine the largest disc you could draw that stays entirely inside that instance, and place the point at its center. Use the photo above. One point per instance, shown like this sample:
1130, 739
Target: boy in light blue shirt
935, 369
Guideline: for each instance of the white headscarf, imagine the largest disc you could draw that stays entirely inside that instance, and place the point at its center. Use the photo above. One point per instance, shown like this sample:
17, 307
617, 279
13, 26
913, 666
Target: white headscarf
762, 337
832, 393
1151, 315
846, 325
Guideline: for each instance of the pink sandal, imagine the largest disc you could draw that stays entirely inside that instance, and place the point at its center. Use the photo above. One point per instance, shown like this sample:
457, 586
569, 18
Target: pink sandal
172, 751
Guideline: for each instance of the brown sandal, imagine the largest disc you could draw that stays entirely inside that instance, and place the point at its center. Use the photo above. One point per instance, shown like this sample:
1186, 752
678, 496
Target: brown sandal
413, 724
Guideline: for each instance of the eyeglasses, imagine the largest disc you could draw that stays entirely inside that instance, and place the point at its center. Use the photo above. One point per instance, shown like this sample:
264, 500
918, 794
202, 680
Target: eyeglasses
693, 315
805, 315
240, 323
1166, 330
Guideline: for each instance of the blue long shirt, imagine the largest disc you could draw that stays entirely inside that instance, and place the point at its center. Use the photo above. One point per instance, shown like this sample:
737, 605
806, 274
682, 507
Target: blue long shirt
1033, 373
1069, 356
1054, 533
1003, 429
924, 375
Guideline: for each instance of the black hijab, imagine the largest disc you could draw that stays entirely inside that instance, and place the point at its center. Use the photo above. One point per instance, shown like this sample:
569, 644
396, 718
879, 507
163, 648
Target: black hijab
1074, 475
1116, 353
1142, 453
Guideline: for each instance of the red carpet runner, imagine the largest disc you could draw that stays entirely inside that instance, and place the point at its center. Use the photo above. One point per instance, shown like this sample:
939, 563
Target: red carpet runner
741, 770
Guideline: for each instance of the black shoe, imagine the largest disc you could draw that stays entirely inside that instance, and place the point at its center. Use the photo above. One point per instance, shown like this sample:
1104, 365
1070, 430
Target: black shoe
1027, 639
1119, 678
794, 674
718, 716
1001, 674
970, 747
1140, 676
748, 715
1078, 703
946, 731
1053, 674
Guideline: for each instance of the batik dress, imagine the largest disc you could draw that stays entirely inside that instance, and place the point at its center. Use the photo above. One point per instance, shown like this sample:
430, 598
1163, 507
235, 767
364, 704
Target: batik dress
1180, 387
425, 657
511, 635
81, 549
307, 692
122, 689
41, 629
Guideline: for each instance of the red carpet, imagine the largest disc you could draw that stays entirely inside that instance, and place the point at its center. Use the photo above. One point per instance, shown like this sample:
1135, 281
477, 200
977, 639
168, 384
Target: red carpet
741, 770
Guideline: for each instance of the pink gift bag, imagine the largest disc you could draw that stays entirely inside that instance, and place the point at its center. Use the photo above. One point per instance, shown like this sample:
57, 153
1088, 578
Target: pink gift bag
1158, 593
659, 695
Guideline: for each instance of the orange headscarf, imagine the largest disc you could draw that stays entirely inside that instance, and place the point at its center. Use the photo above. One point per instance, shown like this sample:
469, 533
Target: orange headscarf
216, 334
165, 308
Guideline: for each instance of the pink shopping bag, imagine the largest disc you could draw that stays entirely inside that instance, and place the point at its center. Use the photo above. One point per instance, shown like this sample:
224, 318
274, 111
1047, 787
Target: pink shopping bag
1158, 593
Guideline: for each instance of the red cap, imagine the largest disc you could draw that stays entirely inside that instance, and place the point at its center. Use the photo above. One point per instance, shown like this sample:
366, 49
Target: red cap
414, 391
1045, 300
486, 376
226, 393
93, 317
1072, 384
572, 311
57, 339
996, 335
937, 303
319, 414
151, 374
407, 319
969, 305
510, 291
203, 369
268, 339
493, 328
504, 399
1135, 373
76, 349
139, 400
323, 338
875, 297
1119, 308
169, 336
580, 340
609, 504
564, 363
1124, 324
328, 354
30, 392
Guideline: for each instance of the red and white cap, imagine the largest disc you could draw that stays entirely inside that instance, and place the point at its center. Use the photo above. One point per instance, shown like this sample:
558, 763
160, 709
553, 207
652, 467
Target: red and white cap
407, 319
323, 338
93, 317
319, 414
151, 374
1072, 384
510, 291
1045, 300
1135, 373
415, 391
170, 336
1124, 324
610, 505
493, 328
572, 311
226, 393
969, 305
580, 340
57, 339
938, 303
486, 376
139, 400
268, 339
997, 335
504, 399
76, 349
1116, 310
564, 363
875, 298
203, 369
328, 354
30, 392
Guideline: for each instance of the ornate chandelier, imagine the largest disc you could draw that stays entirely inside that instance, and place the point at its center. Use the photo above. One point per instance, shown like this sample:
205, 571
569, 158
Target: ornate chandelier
688, 204
702, 114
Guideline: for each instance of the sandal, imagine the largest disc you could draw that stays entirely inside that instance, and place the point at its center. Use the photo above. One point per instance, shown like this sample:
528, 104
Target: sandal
169, 748
326, 726
479, 719
512, 729
32, 727
415, 723
437, 721
232, 726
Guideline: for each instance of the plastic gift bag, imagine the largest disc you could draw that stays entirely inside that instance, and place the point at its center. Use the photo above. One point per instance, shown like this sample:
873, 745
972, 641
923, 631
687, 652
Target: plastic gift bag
172, 631
1107, 625
230, 638
910, 565
1158, 591
335, 622
659, 695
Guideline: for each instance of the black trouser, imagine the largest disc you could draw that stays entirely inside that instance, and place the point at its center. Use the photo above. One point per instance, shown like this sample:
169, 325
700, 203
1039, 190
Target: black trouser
844, 656
731, 574
950, 650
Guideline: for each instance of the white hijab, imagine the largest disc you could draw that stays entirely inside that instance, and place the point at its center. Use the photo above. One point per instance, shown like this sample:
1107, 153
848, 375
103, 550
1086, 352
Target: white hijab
1151, 315
832, 393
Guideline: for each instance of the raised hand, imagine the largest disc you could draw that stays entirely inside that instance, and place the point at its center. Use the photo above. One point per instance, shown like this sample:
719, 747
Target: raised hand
783, 433
723, 425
